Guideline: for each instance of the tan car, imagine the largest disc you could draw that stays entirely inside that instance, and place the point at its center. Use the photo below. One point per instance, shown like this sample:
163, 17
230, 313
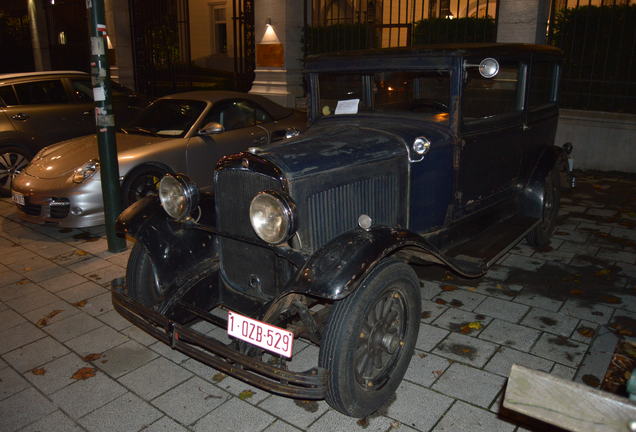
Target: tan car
180, 133
41, 108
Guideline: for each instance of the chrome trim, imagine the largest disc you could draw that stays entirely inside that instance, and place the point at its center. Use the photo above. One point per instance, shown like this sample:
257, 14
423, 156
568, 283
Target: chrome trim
289, 210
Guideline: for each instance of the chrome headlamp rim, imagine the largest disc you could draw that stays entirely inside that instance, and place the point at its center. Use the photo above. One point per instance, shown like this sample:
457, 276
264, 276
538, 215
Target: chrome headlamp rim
288, 207
188, 190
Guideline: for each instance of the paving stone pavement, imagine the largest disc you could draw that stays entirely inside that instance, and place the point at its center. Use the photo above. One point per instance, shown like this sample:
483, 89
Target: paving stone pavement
543, 309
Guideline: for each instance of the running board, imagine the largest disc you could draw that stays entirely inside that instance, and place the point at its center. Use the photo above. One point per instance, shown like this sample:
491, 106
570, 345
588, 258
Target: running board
489, 245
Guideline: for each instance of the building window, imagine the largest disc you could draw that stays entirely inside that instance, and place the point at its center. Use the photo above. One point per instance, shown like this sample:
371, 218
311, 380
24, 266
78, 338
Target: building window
219, 28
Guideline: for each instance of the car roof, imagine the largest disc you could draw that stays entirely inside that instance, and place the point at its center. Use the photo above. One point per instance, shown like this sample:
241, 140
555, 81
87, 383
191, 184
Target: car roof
433, 51
9, 76
213, 96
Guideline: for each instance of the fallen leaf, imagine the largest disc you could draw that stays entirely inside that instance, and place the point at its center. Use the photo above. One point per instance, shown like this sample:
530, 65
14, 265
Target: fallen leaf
562, 233
81, 252
473, 289
363, 422
440, 301
448, 288
586, 332
438, 372
22, 282
610, 299
245, 394
92, 357
625, 332
576, 291
218, 377
80, 303
27, 268
603, 272
38, 371
42, 322
448, 276
422, 355
476, 325
499, 286
84, 373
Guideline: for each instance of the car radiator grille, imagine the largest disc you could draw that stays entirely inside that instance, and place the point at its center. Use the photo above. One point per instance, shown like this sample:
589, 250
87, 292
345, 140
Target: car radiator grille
336, 210
56, 209
247, 268
31, 209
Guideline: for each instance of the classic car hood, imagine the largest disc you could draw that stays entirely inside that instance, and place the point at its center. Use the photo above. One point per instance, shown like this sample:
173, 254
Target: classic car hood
62, 158
334, 143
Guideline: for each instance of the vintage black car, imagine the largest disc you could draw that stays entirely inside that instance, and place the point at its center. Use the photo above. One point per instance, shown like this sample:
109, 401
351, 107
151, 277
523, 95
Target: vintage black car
434, 155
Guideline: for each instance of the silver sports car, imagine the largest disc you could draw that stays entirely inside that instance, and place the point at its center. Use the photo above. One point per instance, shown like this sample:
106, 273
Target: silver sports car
184, 132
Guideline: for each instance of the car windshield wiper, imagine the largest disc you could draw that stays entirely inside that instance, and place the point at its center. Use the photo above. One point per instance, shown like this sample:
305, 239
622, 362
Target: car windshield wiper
139, 130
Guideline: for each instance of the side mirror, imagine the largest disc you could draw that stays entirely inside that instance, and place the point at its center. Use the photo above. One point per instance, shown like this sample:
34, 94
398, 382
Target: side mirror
488, 67
211, 128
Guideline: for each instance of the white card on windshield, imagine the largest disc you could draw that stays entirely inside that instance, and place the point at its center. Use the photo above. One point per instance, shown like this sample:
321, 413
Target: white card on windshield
349, 106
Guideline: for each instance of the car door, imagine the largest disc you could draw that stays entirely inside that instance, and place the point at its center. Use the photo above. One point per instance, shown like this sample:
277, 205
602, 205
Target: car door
82, 97
490, 157
542, 112
240, 119
44, 112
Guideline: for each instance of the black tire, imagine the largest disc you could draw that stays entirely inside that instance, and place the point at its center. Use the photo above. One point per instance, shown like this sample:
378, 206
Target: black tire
141, 182
377, 325
141, 279
12, 160
540, 235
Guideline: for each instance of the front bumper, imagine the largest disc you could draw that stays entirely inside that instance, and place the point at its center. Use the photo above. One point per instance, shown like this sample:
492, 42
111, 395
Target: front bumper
310, 384
59, 201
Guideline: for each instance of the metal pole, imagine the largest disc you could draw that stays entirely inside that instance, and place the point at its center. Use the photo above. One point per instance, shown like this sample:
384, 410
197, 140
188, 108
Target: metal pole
105, 123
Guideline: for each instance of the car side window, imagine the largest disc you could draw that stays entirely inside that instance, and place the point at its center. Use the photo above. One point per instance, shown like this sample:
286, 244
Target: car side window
488, 97
41, 92
542, 79
7, 96
82, 89
237, 115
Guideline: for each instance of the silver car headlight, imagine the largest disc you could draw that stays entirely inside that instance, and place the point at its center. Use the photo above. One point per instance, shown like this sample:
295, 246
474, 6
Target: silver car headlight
272, 216
86, 171
178, 196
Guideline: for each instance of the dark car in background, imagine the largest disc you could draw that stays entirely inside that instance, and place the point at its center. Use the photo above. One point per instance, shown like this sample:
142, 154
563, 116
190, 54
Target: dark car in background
440, 155
41, 108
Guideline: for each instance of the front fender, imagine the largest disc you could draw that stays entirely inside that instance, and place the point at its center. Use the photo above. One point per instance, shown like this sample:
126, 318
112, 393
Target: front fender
181, 254
337, 269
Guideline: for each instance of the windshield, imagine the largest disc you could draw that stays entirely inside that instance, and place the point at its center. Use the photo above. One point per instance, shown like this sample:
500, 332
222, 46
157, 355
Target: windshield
167, 118
421, 94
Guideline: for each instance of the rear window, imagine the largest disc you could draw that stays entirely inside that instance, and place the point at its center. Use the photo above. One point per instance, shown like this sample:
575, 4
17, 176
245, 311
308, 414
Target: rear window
7, 96
41, 92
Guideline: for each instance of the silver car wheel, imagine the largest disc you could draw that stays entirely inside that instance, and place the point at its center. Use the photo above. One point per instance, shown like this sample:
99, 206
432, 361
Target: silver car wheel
11, 164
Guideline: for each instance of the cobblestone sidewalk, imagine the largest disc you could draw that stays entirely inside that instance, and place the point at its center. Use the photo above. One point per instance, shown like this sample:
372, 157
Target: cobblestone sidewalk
68, 362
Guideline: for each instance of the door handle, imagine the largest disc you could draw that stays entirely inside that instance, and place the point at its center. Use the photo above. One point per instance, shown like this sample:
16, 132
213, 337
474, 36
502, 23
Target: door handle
86, 113
20, 116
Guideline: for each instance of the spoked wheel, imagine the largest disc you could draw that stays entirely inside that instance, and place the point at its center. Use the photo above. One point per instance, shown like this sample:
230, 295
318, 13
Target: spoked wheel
540, 234
141, 183
12, 162
369, 339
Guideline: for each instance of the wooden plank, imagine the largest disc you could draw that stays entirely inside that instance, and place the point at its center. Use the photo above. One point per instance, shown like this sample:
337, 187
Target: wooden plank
567, 404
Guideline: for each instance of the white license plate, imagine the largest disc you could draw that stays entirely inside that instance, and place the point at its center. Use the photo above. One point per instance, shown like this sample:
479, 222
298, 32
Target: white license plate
258, 333
17, 198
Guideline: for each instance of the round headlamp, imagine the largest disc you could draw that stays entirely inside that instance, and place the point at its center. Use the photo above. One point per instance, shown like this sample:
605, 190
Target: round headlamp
178, 196
272, 216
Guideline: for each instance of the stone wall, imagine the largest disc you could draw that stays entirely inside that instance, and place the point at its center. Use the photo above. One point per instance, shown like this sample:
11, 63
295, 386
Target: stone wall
602, 141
